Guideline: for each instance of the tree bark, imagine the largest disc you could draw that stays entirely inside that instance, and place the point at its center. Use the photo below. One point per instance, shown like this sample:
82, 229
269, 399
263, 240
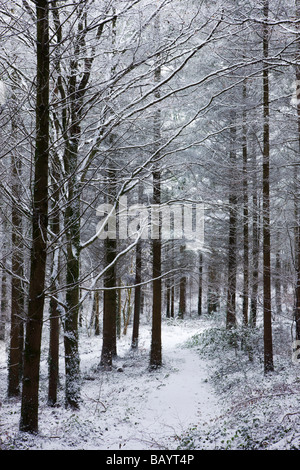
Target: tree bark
110, 307
4, 293
15, 357
97, 313
71, 317
3, 306
212, 294
255, 245
54, 310
232, 239
200, 287
137, 296
278, 283
138, 288
296, 198
268, 342
156, 346
72, 224
182, 289
156, 351
245, 214
30, 402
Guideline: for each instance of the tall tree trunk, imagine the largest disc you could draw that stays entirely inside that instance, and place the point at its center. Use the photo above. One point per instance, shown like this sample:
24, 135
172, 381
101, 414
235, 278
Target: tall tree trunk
156, 346
168, 298
172, 306
30, 402
137, 296
182, 290
172, 287
76, 90
54, 310
138, 279
245, 213
200, 285
72, 224
71, 317
4, 281
110, 294
297, 244
97, 313
278, 283
255, 245
232, 239
119, 310
53, 359
297, 258
212, 294
4, 303
296, 198
156, 353
4, 293
268, 342
15, 356
110, 307
182, 297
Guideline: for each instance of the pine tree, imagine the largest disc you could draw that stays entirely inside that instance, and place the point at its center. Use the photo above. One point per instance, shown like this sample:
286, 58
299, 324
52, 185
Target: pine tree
268, 343
34, 323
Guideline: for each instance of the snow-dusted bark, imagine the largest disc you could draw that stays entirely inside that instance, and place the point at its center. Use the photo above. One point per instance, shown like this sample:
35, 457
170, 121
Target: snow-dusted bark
268, 342
30, 389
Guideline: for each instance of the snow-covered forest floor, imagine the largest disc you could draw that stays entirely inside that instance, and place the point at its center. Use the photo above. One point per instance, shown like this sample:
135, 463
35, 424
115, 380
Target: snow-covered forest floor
211, 393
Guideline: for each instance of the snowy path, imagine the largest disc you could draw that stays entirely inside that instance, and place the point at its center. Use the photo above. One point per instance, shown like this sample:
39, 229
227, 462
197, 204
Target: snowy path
171, 401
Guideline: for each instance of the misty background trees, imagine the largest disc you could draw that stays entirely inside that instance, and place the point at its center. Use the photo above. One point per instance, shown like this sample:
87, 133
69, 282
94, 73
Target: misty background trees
161, 102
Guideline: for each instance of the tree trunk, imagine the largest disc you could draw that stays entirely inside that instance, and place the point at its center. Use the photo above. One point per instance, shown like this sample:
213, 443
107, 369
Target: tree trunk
168, 298
4, 300
71, 317
172, 287
119, 310
110, 306
268, 343
156, 352
137, 296
297, 215
3, 306
54, 311
297, 244
53, 359
255, 246
110, 295
232, 239
182, 297
297, 263
15, 356
245, 215
71, 334
200, 288
72, 224
138, 289
278, 283
30, 403
97, 313
212, 295
182, 289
